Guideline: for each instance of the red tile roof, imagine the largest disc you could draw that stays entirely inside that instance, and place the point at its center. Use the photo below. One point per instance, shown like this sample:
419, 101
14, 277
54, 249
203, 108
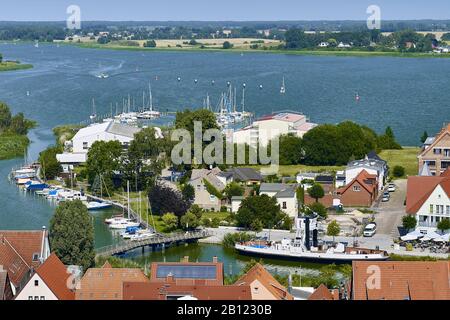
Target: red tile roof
106, 283
401, 280
259, 273
361, 178
163, 291
322, 293
54, 273
419, 189
16, 253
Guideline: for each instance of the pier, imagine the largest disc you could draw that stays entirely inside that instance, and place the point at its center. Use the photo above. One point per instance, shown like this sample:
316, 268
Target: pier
158, 241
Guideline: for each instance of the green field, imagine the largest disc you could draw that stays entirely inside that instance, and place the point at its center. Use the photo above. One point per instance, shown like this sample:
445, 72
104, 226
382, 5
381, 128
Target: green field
342, 53
12, 146
407, 158
10, 66
292, 170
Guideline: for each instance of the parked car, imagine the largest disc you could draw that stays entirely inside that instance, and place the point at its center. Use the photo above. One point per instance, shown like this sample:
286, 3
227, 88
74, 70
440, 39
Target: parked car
370, 230
391, 187
386, 197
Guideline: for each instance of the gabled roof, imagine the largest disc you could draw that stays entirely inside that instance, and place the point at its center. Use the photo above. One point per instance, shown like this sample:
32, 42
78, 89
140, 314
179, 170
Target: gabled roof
444, 131
246, 174
419, 189
107, 283
110, 127
367, 163
17, 250
402, 280
4, 281
323, 293
372, 155
209, 175
362, 179
54, 273
281, 190
260, 274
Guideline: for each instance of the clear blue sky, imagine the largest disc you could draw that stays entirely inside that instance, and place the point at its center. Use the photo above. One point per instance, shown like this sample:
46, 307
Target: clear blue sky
148, 10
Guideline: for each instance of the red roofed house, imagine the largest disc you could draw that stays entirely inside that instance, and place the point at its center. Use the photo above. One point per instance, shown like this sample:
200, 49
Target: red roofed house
401, 280
428, 198
22, 252
185, 280
263, 285
323, 293
50, 282
360, 192
106, 283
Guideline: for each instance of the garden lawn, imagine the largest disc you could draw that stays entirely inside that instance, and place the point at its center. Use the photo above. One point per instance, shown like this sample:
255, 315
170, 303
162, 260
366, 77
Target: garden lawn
407, 158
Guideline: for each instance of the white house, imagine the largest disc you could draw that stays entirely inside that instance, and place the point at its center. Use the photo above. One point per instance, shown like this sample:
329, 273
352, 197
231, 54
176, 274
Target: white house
372, 166
85, 137
50, 282
285, 194
323, 44
344, 45
203, 197
428, 199
236, 203
268, 127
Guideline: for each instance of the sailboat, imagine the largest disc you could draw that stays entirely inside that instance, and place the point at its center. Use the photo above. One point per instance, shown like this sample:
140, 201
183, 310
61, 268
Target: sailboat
149, 114
283, 88
36, 44
94, 114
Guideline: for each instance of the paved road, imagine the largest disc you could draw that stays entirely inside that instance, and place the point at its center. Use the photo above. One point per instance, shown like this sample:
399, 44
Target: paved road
389, 216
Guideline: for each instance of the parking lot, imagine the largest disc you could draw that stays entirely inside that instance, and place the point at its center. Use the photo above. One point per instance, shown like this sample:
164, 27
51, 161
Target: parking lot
389, 214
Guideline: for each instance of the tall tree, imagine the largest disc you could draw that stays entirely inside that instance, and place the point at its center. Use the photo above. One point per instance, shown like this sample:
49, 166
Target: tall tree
164, 199
316, 191
5, 116
262, 208
103, 159
50, 167
72, 234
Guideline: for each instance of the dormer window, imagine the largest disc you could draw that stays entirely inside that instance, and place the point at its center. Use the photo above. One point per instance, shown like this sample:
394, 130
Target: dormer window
35, 256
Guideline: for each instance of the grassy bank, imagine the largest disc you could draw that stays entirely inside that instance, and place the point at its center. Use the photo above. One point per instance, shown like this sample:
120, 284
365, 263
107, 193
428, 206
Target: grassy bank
12, 65
341, 53
12, 146
292, 170
407, 158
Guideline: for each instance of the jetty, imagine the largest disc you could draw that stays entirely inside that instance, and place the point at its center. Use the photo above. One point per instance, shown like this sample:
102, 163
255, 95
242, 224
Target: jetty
159, 241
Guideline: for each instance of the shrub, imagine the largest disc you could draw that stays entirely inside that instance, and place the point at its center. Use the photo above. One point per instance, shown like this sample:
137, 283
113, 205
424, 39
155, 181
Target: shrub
230, 239
398, 171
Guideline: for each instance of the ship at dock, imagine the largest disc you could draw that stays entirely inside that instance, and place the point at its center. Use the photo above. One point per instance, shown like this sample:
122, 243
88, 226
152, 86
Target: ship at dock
307, 247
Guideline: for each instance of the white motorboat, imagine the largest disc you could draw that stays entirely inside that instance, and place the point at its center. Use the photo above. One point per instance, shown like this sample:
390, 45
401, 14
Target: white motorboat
305, 247
117, 219
144, 235
123, 225
95, 205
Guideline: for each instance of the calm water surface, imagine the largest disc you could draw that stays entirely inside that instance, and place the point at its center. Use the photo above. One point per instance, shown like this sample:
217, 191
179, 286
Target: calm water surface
411, 95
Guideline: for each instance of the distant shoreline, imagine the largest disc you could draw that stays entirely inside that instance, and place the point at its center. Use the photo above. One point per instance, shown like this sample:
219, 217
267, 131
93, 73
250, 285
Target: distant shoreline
347, 53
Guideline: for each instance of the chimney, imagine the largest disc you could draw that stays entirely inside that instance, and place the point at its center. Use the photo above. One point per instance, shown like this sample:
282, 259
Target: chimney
215, 260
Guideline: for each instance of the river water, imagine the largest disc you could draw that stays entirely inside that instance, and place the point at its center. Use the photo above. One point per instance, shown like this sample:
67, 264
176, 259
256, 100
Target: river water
411, 95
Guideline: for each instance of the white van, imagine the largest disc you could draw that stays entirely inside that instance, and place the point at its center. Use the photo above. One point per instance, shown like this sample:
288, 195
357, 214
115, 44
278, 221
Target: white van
370, 230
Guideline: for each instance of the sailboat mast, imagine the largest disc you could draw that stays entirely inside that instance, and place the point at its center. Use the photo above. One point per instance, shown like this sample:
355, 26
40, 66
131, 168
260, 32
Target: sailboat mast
151, 96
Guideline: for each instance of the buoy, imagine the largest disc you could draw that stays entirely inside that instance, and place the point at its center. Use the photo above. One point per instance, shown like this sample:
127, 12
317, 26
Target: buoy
357, 98
213, 82
195, 80
260, 86
179, 79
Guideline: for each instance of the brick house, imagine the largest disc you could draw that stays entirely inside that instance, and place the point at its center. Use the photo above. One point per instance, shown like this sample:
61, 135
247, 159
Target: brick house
435, 154
360, 192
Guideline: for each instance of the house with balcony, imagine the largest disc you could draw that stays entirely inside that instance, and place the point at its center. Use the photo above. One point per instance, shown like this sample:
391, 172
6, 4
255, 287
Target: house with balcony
435, 154
264, 129
428, 199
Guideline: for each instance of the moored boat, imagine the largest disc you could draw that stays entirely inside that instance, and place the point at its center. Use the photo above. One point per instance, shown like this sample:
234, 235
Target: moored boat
306, 247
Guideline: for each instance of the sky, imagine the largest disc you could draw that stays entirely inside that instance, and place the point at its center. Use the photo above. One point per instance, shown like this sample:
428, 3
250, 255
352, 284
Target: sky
220, 10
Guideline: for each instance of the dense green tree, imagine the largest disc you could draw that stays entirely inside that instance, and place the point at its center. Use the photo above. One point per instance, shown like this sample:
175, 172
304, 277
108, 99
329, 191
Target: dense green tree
233, 189
103, 159
333, 229
188, 192
256, 226
1, 58
444, 225
424, 137
50, 167
317, 208
170, 221
262, 208
316, 191
387, 140
150, 44
20, 125
398, 171
227, 45
196, 210
189, 221
5, 116
409, 222
71, 234
322, 146
164, 199
291, 150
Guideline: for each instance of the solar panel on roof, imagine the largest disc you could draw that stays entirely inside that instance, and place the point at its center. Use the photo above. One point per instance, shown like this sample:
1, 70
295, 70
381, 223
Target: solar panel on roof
186, 271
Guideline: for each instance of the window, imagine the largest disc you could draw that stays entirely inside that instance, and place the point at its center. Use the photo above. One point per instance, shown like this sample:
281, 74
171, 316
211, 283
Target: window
437, 151
36, 283
431, 208
356, 188
36, 297
35, 256
284, 205
42, 298
447, 152
212, 197
30, 297
448, 210
85, 145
